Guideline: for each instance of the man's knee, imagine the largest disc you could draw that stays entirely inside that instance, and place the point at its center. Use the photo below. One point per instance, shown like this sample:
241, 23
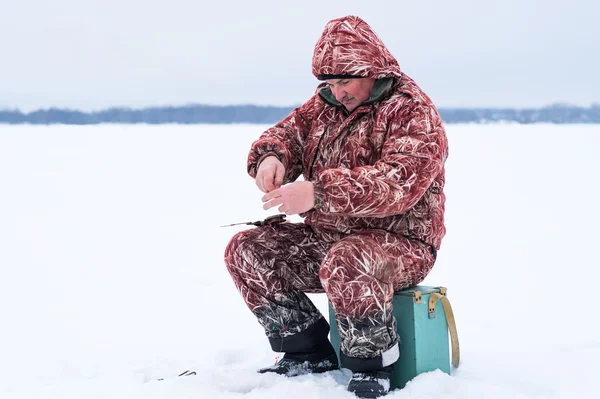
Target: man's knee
240, 251
258, 250
356, 258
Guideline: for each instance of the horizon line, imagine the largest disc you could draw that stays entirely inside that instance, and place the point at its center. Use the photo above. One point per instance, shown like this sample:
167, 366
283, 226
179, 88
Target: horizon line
280, 107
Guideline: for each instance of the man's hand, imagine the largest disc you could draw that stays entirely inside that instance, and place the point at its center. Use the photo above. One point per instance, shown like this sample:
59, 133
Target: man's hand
293, 198
269, 175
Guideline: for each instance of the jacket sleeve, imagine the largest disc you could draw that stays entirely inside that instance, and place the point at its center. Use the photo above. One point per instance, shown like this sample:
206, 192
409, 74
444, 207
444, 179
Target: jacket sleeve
412, 156
285, 140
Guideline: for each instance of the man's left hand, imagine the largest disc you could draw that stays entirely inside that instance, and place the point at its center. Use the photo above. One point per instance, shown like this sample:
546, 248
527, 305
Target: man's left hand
292, 198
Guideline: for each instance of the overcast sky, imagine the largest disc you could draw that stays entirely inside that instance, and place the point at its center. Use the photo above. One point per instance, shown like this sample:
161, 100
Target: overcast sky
94, 54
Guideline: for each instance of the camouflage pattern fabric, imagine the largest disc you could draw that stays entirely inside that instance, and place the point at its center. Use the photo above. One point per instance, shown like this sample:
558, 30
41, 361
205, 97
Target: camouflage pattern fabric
274, 267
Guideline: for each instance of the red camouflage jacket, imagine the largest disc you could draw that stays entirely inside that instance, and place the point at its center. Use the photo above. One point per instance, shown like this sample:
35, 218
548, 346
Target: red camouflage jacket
378, 167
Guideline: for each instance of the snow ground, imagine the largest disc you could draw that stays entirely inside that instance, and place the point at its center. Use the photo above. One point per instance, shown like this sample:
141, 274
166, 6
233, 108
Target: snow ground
112, 273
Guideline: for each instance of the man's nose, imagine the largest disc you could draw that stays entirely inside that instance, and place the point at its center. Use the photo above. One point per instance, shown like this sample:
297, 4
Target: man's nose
339, 94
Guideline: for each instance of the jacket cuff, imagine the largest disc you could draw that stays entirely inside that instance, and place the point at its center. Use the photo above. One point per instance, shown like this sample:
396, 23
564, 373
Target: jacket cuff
256, 165
320, 192
263, 148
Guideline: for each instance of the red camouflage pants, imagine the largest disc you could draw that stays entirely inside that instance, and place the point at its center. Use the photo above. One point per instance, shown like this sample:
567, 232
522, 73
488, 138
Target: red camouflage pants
274, 266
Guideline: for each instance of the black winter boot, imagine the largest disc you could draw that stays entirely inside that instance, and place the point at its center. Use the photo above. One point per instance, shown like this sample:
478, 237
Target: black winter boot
323, 359
371, 384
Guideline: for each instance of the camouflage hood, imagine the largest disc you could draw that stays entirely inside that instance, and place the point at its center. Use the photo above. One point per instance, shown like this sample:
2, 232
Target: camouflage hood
349, 47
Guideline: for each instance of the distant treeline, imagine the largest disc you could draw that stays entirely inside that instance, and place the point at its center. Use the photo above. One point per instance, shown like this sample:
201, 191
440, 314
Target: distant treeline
193, 114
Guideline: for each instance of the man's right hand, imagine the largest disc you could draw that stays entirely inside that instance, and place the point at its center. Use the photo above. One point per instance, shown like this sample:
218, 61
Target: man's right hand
270, 174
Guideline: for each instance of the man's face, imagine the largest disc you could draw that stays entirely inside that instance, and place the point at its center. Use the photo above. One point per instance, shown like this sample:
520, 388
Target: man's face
351, 92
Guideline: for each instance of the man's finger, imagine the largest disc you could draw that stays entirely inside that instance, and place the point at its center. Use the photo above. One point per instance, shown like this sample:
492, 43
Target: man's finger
269, 183
270, 195
279, 173
274, 202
